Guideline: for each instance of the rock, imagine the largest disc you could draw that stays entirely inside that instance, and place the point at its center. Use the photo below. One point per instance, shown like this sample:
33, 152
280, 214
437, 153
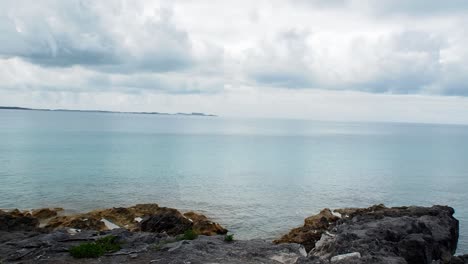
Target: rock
17, 221
345, 257
78, 222
312, 230
17, 213
393, 235
286, 258
118, 215
203, 226
45, 213
109, 225
141, 217
166, 220
459, 259
416, 248
351, 212
213, 249
139, 247
144, 209
375, 235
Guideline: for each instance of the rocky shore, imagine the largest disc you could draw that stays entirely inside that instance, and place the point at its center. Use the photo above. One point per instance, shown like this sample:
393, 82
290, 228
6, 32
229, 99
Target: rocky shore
148, 233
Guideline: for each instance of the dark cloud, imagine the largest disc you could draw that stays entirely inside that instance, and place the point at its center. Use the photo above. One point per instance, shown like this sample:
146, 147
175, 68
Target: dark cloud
75, 33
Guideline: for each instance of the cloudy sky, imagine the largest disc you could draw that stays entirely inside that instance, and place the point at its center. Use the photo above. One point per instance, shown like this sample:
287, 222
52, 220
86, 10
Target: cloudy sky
382, 60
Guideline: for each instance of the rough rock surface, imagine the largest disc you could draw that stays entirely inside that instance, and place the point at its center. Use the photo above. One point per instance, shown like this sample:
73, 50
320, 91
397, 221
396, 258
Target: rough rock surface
144, 247
45, 213
152, 219
387, 235
311, 232
123, 217
370, 235
16, 221
203, 226
166, 220
78, 222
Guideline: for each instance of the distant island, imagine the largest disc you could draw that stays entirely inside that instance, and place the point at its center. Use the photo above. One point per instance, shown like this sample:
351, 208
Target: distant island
103, 111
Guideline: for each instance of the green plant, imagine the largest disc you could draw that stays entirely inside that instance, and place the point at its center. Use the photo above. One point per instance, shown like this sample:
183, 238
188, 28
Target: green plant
229, 238
95, 249
189, 234
87, 250
109, 243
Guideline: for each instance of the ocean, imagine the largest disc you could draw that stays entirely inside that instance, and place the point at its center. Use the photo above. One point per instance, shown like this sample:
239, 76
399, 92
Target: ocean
257, 177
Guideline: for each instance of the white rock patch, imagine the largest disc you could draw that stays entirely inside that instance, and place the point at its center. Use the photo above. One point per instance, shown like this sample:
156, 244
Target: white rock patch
109, 224
354, 255
285, 258
336, 214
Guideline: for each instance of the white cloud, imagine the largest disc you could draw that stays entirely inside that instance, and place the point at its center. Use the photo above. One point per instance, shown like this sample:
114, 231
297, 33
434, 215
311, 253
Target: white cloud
212, 50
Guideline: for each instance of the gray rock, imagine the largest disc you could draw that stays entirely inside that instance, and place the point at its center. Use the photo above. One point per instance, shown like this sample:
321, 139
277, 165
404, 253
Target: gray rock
166, 220
345, 257
379, 235
17, 222
216, 250
415, 234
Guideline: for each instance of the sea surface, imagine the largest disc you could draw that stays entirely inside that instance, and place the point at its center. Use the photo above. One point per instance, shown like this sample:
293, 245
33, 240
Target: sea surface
257, 177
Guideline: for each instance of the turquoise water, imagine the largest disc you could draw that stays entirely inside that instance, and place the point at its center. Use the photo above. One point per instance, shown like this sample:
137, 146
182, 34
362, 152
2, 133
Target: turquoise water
259, 178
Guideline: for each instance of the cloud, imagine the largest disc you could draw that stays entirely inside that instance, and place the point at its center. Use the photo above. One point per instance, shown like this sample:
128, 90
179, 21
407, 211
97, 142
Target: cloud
209, 48
20, 75
418, 7
283, 61
403, 62
391, 7
90, 34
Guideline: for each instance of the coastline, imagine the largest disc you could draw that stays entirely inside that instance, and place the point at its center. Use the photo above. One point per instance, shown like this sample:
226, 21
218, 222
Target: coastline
103, 111
149, 233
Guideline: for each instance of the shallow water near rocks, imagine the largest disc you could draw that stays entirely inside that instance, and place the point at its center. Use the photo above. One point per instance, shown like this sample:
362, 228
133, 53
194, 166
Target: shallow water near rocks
259, 178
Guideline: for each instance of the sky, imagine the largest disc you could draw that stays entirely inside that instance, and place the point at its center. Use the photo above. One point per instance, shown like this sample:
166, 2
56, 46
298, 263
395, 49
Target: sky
346, 60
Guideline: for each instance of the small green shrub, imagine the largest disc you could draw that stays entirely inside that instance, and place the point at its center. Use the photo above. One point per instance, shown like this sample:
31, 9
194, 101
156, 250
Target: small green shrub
229, 238
95, 249
87, 250
109, 243
190, 234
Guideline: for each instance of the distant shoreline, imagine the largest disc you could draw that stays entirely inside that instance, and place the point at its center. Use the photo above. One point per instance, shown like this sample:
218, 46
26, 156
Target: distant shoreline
103, 111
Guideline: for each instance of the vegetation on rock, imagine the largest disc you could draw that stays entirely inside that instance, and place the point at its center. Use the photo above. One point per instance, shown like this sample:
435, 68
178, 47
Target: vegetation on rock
229, 238
95, 249
189, 234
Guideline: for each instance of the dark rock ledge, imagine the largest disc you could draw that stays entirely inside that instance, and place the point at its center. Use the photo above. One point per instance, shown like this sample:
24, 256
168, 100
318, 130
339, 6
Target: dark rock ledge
146, 232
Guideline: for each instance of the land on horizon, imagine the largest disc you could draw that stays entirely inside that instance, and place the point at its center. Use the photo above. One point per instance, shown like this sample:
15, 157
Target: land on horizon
102, 111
